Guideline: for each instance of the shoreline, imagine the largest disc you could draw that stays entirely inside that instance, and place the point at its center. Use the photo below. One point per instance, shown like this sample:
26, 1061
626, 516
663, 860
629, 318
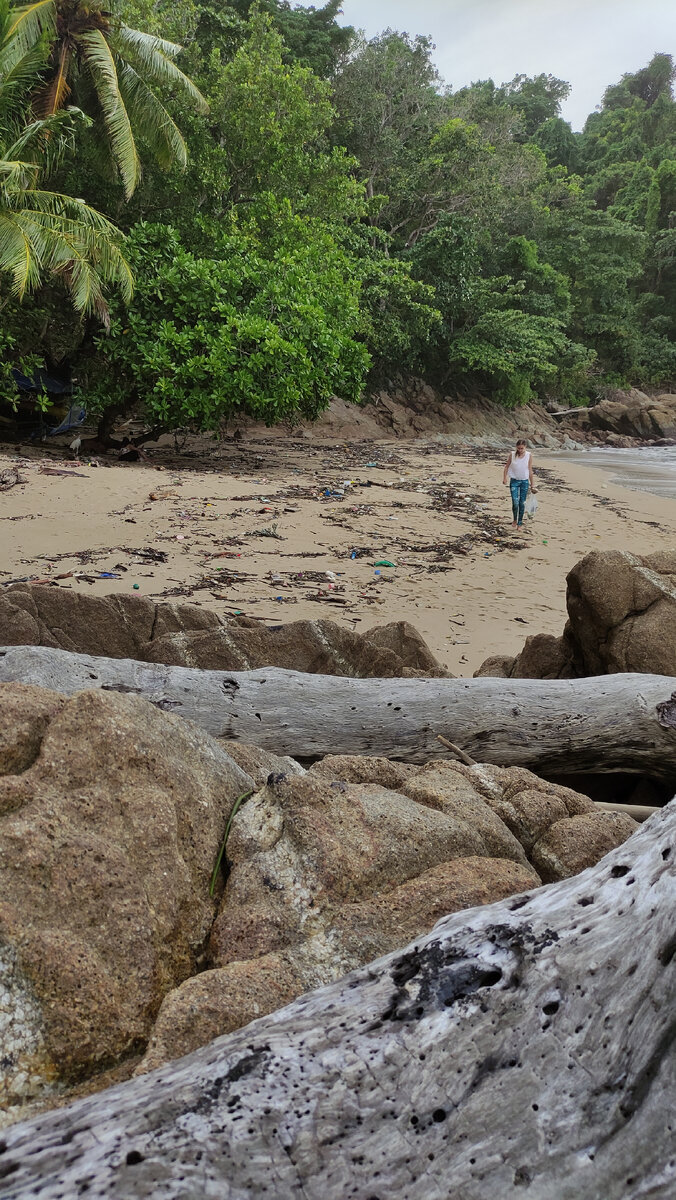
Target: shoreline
645, 468
232, 526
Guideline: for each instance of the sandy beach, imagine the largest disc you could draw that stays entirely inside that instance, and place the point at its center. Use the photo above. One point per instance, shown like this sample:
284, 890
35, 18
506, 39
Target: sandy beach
282, 530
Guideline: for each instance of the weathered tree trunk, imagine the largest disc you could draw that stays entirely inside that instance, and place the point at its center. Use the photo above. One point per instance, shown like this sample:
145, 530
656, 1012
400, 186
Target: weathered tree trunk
524, 1048
614, 722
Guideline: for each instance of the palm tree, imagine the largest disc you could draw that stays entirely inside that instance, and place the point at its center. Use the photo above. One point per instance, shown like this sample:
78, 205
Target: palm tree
110, 70
44, 233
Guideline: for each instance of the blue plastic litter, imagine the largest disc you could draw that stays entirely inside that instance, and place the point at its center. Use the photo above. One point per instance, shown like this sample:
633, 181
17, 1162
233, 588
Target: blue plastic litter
74, 418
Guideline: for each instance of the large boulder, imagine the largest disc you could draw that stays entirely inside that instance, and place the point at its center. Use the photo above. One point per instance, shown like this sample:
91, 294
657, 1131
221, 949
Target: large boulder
622, 612
219, 1001
184, 635
523, 1049
565, 847
335, 869
543, 657
111, 816
316, 647
621, 617
496, 666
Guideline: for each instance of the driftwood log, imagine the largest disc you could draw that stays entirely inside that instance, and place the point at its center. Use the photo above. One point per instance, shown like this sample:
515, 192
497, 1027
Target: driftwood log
521, 1049
610, 723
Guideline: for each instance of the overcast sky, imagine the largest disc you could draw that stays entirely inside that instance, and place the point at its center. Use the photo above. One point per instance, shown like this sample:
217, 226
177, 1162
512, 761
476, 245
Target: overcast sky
591, 43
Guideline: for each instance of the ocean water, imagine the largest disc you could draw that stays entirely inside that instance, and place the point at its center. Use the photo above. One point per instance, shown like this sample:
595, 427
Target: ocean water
643, 468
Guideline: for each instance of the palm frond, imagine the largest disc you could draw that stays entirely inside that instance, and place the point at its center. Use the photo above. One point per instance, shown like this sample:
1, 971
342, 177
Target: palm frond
148, 115
153, 57
16, 176
27, 24
18, 255
54, 94
99, 62
46, 140
40, 237
136, 38
18, 77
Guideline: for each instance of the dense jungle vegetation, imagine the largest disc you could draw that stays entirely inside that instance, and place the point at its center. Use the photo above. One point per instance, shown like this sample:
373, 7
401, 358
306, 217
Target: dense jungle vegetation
301, 212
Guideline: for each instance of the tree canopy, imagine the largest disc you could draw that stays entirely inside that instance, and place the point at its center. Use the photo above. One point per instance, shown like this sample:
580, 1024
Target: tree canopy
317, 211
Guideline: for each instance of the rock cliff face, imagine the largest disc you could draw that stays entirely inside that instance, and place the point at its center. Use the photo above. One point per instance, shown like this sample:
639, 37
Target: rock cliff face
622, 617
187, 636
419, 410
112, 814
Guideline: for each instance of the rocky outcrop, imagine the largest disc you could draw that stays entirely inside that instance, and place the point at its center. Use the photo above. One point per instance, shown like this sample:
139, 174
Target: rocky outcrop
219, 1001
112, 817
633, 414
187, 636
565, 847
417, 409
543, 657
520, 1049
622, 617
335, 869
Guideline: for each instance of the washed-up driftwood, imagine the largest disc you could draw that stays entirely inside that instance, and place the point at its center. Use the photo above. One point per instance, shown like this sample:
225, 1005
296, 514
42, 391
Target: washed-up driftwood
524, 1049
613, 722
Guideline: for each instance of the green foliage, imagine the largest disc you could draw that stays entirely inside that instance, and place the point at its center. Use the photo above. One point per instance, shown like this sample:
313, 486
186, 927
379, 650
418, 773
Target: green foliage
400, 315
449, 258
647, 85
113, 73
511, 352
272, 117
337, 214
558, 143
388, 109
266, 326
46, 234
538, 99
311, 35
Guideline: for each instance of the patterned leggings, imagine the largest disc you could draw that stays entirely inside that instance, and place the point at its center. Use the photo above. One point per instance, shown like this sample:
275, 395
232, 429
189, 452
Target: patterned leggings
519, 490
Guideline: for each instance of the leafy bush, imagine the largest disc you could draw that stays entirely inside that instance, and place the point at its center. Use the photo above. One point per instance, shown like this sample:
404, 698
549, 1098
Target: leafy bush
264, 327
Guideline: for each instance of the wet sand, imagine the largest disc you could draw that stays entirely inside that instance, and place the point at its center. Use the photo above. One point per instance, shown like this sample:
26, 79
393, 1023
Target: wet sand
249, 528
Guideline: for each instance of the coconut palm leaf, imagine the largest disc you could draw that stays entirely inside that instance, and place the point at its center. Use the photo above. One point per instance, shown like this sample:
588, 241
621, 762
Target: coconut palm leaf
45, 233
17, 79
48, 139
87, 44
99, 62
17, 255
153, 57
19, 71
149, 115
27, 25
56, 91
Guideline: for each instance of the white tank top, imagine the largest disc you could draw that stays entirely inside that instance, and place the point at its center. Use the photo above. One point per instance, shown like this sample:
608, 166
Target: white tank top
519, 466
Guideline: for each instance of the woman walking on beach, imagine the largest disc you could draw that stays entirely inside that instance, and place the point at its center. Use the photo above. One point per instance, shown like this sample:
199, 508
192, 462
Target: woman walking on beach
518, 473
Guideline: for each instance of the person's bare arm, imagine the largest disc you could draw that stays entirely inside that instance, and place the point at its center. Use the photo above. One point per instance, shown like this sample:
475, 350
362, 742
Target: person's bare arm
504, 473
530, 474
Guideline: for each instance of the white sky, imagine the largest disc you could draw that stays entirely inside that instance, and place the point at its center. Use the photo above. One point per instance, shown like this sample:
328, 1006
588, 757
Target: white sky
590, 43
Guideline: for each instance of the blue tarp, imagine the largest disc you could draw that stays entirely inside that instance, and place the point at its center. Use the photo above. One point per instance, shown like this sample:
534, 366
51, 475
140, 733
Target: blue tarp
41, 382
